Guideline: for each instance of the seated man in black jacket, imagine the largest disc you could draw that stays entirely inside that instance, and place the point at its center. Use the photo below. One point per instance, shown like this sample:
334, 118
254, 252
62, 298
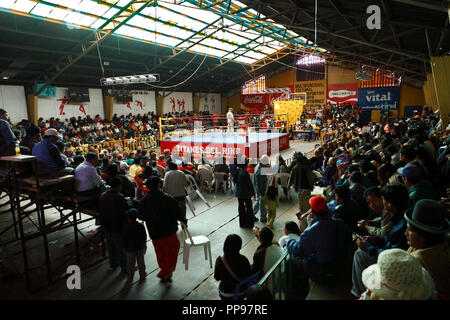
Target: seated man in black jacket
347, 209
160, 211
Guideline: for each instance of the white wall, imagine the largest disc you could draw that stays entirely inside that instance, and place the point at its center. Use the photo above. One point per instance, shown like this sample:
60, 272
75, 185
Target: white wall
50, 106
210, 102
12, 99
176, 99
146, 99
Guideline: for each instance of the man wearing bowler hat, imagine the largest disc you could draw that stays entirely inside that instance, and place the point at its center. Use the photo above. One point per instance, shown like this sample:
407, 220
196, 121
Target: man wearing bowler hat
426, 229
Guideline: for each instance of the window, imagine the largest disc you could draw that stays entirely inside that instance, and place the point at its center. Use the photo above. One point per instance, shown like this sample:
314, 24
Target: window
256, 85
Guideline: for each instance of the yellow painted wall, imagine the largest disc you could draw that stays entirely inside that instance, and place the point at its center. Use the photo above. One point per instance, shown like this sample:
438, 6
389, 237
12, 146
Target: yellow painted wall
441, 79
286, 78
410, 96
196, 106
337, 75
234, 102
431, 90
32, 108
375, 116
108, 107
224, 105
159, 105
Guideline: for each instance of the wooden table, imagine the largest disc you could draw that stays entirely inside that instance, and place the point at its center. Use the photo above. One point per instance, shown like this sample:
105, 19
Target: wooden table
13, 181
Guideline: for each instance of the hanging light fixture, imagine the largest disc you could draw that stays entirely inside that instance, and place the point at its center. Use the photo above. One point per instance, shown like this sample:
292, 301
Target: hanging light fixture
143, 78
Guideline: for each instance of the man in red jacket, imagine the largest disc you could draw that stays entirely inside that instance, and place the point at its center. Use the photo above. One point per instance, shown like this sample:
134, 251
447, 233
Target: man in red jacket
160, 211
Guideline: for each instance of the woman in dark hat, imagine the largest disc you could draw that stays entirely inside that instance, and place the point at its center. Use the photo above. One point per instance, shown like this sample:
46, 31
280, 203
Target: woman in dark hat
425, 233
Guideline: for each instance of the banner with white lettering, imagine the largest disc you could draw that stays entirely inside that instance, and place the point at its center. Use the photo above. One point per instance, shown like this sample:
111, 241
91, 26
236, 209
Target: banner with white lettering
257, 103
342, 93
383, 98
178, 102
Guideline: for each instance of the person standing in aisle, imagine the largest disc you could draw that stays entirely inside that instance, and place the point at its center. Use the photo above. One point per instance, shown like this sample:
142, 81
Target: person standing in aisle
175, 183
160, 211
244, 192
134, 245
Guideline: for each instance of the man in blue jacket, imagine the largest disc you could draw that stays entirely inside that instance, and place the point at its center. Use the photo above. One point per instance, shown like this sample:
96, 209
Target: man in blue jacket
323, 246
50, 161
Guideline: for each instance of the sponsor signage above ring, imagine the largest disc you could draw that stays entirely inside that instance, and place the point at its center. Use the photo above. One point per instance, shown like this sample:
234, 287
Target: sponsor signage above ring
383, 98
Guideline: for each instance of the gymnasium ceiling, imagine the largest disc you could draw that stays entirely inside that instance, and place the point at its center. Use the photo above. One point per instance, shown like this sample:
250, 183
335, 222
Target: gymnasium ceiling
210, 46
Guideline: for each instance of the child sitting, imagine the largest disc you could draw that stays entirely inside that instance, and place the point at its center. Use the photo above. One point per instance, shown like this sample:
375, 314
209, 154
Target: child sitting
291, 231
272, 202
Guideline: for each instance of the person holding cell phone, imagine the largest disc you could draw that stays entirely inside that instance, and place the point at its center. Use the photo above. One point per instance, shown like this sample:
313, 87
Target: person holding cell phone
395, 199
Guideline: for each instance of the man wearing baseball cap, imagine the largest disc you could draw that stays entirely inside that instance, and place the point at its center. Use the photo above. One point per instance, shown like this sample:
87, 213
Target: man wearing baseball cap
323, 246
50, 162
417, 187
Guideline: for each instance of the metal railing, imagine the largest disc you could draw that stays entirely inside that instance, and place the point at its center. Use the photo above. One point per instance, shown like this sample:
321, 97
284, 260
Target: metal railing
279, 278
132, 144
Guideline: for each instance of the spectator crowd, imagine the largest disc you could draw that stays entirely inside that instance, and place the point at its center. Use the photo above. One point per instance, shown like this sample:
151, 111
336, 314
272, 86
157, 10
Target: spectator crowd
382, 218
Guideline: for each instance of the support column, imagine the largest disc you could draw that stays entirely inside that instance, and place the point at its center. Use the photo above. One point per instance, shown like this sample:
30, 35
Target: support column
108, 107
432, 91
32, 108
224, 105
196, 106
159, 105
441, 80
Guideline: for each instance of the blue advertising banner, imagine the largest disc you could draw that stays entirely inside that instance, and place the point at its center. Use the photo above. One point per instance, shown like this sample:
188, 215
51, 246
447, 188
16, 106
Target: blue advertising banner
383, 98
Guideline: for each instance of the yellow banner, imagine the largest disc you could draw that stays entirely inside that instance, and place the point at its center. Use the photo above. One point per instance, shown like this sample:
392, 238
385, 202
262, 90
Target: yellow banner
316, 92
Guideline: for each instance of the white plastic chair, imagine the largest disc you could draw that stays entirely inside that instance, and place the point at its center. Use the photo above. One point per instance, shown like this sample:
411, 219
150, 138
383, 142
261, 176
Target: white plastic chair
197, 241
193, 191
220, 179
206, 177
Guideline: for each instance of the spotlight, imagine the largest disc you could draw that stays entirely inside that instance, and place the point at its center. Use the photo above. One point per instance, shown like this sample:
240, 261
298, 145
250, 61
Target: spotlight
145, 78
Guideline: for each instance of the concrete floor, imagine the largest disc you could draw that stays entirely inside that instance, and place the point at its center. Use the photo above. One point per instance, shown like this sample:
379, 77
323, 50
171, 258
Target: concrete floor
195, 283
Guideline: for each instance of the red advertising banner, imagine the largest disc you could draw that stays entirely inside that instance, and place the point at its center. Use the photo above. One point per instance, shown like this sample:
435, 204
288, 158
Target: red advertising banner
342, 93
228, 150
257, 103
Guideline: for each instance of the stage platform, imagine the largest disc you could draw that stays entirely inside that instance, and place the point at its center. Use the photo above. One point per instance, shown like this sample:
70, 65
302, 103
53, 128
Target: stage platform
253, 144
